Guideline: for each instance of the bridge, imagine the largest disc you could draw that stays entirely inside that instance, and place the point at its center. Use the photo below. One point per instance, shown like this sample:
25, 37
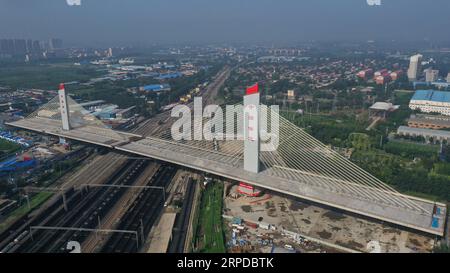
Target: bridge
301, 166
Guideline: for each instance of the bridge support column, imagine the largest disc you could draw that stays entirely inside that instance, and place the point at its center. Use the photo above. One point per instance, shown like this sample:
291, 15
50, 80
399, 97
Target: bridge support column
251, 129
64, 107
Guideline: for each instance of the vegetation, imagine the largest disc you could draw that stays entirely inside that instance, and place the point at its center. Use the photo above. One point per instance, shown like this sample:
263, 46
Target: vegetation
411, 150
35, 202
44, 75
415, 178
331, 129
7, 148
209, 237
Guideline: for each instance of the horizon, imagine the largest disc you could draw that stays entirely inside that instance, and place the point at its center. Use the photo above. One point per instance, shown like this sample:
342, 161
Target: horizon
140, 22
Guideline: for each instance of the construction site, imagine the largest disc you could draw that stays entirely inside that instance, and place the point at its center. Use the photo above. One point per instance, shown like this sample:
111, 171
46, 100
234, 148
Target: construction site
259, 223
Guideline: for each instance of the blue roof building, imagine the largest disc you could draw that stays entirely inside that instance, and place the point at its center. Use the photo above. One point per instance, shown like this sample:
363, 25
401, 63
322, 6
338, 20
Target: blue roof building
431, 101
432, 95
169, 76
156, 87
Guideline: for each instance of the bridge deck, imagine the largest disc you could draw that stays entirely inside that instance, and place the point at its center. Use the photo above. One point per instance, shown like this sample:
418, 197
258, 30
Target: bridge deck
216, 163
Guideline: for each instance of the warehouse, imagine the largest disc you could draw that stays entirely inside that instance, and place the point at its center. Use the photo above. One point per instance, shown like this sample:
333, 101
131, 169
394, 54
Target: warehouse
429, 121
431, 101
155, 88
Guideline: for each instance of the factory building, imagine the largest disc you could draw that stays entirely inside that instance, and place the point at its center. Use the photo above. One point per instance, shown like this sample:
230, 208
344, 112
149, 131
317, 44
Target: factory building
429, 121
429, 134
169, 76
155, 88
431, 101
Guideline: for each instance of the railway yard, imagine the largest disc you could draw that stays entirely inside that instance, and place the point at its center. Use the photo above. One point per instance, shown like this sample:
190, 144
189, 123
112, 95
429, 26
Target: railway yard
114, 203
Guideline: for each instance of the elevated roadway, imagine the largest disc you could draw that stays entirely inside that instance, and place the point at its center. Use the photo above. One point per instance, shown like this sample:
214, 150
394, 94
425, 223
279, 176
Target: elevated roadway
279, 179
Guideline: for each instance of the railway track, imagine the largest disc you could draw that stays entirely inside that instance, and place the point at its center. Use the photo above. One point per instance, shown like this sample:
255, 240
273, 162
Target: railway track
82, 209
17, 238
141, 215
179, 231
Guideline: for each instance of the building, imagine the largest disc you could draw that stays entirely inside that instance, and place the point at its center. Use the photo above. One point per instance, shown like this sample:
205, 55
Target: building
429, 121
155, 88
431, 101
381, 109
125, 113
291, 94
109, 53
448, 77
415, 65
55, 44
396, 75
20, 47
169, 76
106, 112
365, 74
382, 79
248, 190
429, 134
431, 75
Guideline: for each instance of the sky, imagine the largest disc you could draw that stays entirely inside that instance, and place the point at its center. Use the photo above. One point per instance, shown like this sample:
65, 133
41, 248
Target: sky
123, 22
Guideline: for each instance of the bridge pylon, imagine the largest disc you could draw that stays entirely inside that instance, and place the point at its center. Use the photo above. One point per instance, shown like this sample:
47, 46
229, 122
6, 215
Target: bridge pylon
251, 129
64, 107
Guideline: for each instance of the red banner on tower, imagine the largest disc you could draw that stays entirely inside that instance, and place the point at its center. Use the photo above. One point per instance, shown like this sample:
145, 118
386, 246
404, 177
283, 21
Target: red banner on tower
252, 89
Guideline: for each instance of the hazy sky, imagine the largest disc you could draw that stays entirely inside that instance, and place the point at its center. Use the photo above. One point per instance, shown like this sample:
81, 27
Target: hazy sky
168, 21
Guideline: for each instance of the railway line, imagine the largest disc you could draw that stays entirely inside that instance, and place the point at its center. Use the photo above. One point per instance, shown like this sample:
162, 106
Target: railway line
81, 208
141, 215
96, 241
179, 232
86, 208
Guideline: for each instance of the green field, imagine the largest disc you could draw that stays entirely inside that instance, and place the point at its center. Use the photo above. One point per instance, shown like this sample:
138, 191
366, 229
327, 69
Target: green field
209, 237
44, 76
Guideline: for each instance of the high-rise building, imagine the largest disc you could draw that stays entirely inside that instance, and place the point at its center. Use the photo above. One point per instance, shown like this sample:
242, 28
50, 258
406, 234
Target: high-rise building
20, 47
448, 77
431, 75
10, 46
36, 47
29, 46
415, 65
55, 44
109, 53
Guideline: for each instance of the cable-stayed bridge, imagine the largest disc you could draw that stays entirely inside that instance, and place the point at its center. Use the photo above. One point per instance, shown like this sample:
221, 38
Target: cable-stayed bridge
301, 166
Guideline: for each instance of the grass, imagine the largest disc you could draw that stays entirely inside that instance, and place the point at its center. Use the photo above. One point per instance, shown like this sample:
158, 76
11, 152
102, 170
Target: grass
209, 234
35, 202
44, 75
